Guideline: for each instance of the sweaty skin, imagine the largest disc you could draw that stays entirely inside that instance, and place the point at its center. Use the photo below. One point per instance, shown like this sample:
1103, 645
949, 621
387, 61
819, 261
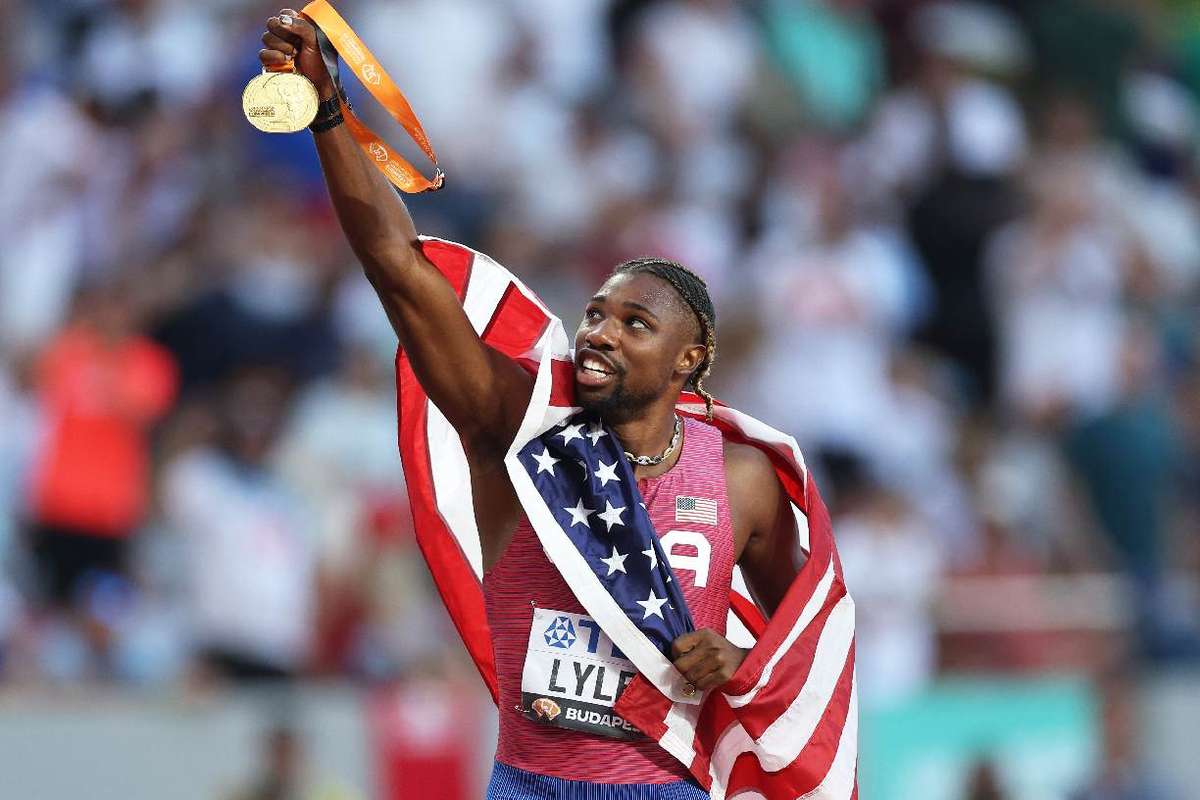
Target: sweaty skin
640, 332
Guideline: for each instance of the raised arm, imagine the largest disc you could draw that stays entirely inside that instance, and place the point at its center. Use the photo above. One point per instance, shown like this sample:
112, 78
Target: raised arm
482, 393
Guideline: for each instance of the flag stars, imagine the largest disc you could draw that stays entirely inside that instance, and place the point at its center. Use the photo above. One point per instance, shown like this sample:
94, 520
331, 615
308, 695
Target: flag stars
611, 515
606, 473
653, 556
545, 462
571, 432
615, 562
595, 432
579, 514
652, 605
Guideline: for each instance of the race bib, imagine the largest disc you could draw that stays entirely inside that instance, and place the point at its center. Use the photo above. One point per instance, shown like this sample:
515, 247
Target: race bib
573, 675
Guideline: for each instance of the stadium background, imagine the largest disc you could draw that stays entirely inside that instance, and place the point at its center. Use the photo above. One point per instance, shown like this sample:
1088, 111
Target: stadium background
954, 247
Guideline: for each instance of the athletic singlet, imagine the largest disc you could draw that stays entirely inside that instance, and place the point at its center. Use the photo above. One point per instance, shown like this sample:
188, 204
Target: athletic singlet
523, 577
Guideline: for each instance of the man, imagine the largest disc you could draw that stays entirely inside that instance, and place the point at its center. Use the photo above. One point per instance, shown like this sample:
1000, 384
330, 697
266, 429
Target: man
646, 334
251, 562
102, 386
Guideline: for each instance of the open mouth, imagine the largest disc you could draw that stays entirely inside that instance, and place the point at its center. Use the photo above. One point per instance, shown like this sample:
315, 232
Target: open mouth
591, 370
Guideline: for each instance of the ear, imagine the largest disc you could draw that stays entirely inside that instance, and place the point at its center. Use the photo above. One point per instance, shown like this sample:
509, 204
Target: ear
690, 358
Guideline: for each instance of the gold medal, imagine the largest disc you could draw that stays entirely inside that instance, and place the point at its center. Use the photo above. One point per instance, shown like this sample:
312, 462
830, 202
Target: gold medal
283, 101
280, 102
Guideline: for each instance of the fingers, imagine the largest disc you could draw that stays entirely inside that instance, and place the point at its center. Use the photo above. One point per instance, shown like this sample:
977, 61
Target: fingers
278, 44
272, 58
684, 643
291, 36
292, 27
691, 659
710, 680
705, 658
285, 31
700, 664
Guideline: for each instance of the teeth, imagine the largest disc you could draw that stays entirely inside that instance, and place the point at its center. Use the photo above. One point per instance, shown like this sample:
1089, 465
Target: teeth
594, 366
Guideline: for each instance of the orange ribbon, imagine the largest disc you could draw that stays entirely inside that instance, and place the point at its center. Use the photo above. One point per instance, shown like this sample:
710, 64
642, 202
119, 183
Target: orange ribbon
366, 68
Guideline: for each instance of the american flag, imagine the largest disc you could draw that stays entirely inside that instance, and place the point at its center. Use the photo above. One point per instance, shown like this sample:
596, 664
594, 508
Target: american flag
588, 486
786, 724
696, 509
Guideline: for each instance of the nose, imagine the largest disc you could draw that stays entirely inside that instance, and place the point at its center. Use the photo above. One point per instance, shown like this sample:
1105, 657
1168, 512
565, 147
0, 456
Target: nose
601, 336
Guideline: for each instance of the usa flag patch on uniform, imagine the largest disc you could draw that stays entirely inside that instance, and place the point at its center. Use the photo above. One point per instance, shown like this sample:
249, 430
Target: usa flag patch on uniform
695, 509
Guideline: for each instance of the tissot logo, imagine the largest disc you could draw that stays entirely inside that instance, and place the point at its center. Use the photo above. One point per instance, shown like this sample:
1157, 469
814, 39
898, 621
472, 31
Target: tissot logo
378, 152
560, 633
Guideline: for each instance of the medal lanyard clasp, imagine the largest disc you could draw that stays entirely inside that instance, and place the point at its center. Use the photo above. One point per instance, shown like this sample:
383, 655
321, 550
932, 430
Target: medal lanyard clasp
287, 66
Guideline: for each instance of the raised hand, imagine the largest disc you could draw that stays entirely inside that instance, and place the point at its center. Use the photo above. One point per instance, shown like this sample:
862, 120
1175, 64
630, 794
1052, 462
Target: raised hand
292, 36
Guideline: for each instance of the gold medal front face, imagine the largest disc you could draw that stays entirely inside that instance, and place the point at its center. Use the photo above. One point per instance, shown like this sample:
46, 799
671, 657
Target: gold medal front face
280, 102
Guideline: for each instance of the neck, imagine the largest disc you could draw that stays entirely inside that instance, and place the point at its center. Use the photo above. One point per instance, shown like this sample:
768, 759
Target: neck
649, 435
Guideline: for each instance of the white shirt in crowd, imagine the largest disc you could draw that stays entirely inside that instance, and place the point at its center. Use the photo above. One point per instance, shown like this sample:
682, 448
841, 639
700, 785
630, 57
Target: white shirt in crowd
893, 570
831, 310
982, 133
46, 149
340, 452
250, 556
704, 57
1060, 317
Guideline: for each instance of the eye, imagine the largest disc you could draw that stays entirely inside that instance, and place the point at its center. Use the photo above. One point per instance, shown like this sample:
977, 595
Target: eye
591, 314
638, 322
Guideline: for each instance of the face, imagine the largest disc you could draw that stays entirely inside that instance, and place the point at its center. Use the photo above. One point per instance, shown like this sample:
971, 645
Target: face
635, 345
253, 408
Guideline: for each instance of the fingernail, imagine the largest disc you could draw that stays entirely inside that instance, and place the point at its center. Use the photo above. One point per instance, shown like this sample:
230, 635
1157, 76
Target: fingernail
285, 19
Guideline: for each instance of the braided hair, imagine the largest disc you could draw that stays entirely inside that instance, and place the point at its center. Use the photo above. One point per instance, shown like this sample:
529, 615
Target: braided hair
694, 291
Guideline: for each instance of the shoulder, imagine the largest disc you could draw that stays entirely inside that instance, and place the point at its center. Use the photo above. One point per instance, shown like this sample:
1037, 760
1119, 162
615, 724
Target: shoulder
755, 495
746, 460
750, 477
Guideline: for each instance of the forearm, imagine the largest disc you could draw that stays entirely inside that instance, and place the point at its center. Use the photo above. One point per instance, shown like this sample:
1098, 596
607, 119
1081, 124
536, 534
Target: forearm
482, 392
373, 217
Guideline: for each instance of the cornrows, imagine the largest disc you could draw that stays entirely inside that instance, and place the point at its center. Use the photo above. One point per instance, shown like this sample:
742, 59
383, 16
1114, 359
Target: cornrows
694, 291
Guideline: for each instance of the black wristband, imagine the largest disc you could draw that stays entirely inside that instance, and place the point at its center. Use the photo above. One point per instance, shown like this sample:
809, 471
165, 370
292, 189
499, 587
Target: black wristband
328, 108
329, 123
329, 113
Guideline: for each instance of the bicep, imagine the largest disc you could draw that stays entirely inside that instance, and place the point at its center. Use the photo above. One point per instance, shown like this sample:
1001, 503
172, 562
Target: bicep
481, 391
772, 556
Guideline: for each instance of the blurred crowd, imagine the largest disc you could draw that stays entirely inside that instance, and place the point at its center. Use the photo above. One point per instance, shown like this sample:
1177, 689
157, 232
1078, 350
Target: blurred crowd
954, 248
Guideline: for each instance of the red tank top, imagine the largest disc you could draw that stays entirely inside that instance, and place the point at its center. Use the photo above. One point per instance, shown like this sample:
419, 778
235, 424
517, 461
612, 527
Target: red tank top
523, 577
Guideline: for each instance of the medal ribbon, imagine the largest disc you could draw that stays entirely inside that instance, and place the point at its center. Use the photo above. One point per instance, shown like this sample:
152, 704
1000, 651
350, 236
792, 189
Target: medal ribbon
403, 175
